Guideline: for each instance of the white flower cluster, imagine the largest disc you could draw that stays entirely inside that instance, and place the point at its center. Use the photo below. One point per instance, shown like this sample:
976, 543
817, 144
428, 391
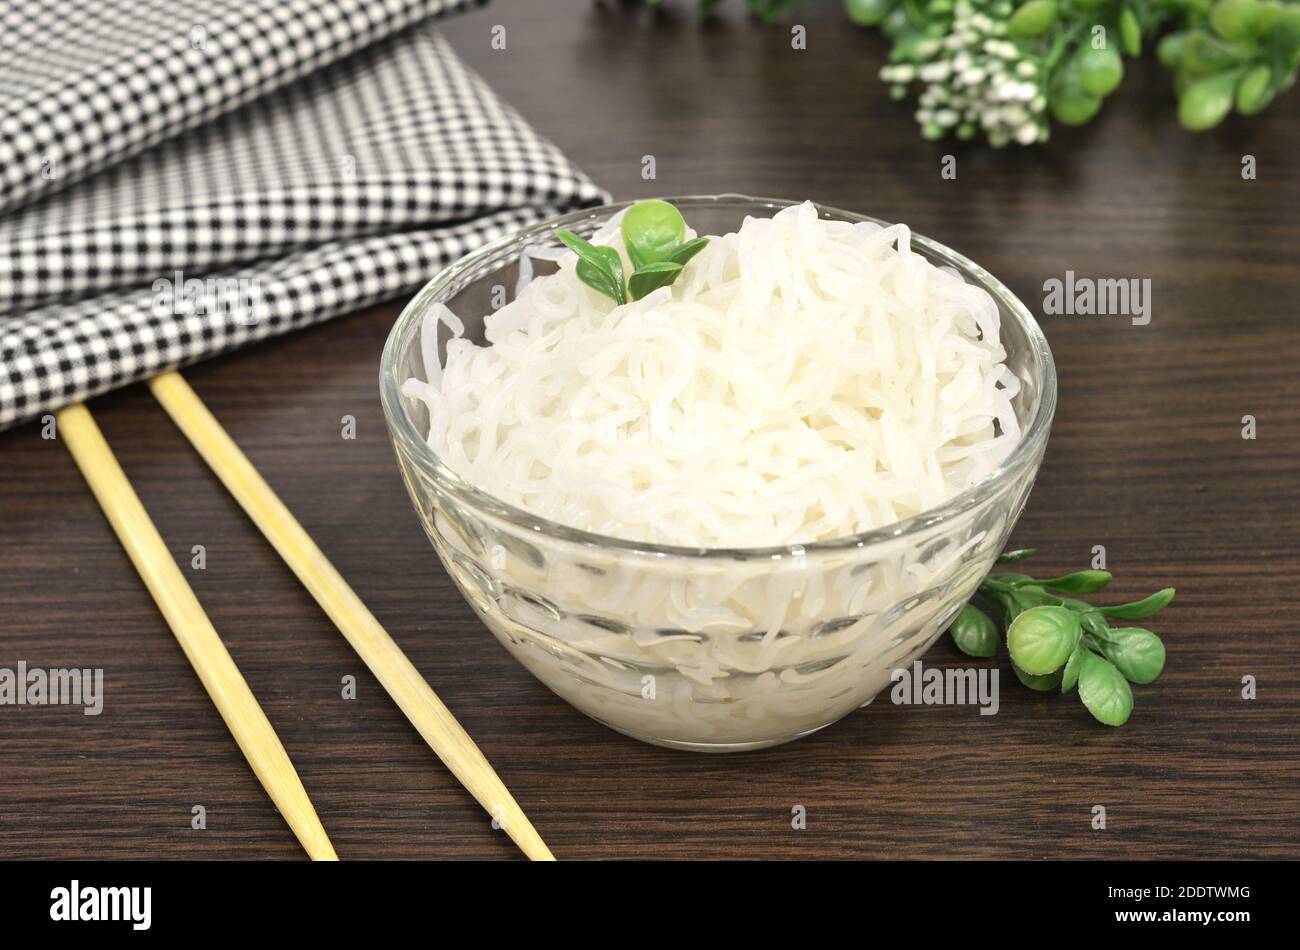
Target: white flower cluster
975, 78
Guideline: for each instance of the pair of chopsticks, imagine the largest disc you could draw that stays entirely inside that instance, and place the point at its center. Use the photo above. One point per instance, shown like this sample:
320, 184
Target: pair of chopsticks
207, 654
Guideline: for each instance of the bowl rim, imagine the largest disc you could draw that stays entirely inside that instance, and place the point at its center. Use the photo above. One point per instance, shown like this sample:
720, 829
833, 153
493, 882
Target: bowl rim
407, 439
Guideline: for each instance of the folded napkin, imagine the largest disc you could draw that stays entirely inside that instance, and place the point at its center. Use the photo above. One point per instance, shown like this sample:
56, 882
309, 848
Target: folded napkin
182, 177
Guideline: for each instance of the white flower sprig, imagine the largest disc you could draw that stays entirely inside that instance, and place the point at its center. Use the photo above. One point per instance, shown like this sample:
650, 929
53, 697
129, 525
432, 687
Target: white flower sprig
975, 79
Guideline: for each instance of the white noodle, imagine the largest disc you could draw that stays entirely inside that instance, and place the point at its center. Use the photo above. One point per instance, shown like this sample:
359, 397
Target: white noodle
801, 380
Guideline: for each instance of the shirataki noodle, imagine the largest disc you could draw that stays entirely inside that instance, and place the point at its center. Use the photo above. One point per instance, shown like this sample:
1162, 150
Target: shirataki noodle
802, 380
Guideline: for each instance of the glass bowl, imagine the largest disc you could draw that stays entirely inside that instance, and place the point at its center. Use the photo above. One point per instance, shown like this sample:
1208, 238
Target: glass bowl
708, 649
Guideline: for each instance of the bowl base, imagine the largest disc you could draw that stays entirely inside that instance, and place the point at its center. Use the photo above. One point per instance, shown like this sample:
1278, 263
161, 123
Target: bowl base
714, 746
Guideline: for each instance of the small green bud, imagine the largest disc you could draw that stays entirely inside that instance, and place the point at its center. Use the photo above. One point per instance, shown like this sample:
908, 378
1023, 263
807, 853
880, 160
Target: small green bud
1138, 654
1205, 55
974, 633
1032, 19
1130, 33
1234, 19
1042, 638
1253, 92
1207, 101
1104, 690
1070, 103
1100, 70
1170, 50
867, 12
1048, 681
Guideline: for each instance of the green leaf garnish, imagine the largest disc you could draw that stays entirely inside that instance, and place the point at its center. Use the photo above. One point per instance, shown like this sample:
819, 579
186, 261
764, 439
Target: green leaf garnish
1080, 582
1027, 598
688, 250
1104, 690
651, 277
1136, 653
1141, 609
1042, 638
1062, 641
600, 268
1070, 675
1044, 683
653, 232
974, 633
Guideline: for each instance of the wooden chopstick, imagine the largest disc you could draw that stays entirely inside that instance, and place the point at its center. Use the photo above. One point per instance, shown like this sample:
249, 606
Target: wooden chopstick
197, 637
372, 643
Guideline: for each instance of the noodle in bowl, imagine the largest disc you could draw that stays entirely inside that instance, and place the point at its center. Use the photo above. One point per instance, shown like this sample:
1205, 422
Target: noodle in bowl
719, 517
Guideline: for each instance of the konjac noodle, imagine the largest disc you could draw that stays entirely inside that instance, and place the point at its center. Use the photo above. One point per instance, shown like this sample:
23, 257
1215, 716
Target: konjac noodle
802, 380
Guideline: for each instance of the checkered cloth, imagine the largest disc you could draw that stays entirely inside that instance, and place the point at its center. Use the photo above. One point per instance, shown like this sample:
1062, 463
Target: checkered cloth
182, 177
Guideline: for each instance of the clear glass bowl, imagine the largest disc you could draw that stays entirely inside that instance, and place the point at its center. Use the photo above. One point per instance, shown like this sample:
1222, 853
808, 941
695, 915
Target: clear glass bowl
709, 649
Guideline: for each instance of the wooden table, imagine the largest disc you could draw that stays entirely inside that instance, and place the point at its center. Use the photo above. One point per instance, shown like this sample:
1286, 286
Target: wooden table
1147, 458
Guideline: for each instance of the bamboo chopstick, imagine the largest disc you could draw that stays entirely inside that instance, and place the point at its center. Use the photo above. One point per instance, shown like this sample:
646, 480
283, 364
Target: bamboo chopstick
197, 637
376, 648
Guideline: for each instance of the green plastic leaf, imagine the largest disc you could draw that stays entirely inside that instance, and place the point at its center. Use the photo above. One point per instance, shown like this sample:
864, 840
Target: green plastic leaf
1130, 33
1104, 690
1090, 618
867, 12
1206, 101
1170, 50
1023, 599
1011, 557
999, 600
1141, 609
650, 278
1094, 622
1203, 54
1080, 582
770, 10
1234, 19
685, 252
600, 268
1284, 31
1032, 19
1070, 673
974, 633
651, 230
1042, 638
1010, 578
1137, 653
1070, 103
1278, 24
1043, 683
895, 25
601, 280
1100, 70
1255, 91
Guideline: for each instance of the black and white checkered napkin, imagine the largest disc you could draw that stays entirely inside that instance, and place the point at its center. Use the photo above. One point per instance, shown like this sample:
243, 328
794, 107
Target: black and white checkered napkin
258, 165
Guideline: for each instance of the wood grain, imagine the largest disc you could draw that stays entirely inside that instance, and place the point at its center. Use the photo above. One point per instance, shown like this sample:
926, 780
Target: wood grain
1146, 458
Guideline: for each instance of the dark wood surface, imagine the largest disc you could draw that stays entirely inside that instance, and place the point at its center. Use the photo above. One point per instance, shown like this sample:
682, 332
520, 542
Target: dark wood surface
1146, 458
